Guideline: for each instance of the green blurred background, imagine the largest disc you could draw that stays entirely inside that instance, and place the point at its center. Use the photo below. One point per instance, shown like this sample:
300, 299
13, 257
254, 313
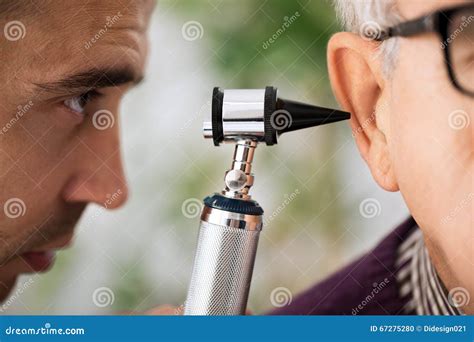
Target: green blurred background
311, 184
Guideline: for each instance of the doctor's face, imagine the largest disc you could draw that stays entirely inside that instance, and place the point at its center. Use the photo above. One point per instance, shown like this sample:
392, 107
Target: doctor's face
65, 67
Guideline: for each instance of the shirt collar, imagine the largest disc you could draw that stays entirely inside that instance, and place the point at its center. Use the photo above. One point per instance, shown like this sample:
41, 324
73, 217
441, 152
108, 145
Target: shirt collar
419, 282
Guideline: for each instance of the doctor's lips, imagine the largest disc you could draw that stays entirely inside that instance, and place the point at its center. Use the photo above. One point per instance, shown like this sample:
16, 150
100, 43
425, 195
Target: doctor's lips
39, 261
43, 260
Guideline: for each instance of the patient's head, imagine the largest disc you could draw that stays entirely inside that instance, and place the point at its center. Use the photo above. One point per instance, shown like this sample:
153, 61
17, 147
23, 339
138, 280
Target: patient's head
412, 126
65, 66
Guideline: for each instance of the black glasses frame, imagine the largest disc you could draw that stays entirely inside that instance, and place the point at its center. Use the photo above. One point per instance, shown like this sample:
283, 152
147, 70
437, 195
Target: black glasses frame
437, 22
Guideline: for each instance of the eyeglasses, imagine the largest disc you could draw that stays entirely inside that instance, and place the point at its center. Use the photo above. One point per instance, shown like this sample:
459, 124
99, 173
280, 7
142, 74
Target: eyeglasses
455, 26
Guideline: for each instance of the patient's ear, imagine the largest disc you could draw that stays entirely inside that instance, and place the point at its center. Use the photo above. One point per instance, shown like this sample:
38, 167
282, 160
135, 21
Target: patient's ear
355, 70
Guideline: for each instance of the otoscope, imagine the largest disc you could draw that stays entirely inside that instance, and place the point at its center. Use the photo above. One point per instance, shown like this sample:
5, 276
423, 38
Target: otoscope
231, 220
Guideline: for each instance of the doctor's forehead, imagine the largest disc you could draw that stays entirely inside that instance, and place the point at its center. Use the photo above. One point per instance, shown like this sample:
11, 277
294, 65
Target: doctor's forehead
74, 35
75, 16
74, 19
72, 8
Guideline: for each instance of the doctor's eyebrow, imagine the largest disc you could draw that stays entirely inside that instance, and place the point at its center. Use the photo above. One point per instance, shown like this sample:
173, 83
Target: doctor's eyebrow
91, 79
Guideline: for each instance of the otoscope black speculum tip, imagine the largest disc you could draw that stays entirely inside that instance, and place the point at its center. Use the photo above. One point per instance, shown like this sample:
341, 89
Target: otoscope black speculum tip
260, 115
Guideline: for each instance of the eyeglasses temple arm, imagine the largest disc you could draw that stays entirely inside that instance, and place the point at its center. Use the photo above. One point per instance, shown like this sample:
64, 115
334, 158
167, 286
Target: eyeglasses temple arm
410, 28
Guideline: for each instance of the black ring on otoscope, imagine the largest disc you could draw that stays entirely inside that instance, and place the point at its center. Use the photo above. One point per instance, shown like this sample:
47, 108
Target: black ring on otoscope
247, 207
217, 129
268, 109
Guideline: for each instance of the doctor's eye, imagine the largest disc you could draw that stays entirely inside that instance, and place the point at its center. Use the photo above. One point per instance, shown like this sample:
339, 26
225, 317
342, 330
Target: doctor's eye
78, 103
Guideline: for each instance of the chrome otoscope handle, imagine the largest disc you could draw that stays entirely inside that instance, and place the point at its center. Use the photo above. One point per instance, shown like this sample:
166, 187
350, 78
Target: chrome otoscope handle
223, 264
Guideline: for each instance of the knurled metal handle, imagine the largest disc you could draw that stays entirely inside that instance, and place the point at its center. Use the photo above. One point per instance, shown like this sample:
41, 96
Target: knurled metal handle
222, 272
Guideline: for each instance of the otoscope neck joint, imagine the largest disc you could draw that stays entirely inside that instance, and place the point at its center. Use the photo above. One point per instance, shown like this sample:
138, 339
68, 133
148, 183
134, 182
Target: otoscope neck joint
239, 179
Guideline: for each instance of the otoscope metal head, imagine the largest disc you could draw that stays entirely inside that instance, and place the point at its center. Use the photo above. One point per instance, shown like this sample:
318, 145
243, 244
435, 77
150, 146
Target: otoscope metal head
261, 116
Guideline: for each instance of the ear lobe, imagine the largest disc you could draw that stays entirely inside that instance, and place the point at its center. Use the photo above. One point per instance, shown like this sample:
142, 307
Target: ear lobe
356, 77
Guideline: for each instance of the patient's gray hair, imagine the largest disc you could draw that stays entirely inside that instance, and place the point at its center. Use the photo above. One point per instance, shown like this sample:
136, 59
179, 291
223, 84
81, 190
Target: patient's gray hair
367, 18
